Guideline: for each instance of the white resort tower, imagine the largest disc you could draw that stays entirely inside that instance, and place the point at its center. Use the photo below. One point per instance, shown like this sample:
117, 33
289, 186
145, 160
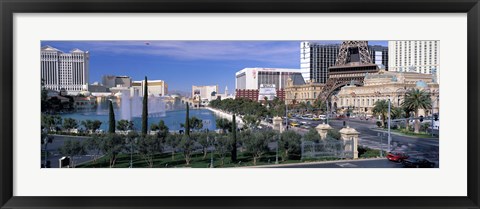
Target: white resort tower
67, 71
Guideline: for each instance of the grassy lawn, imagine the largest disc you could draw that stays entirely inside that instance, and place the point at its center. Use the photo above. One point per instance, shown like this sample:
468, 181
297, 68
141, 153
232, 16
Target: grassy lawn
365, 152
244, 159
404, 132
165, 161
411, 133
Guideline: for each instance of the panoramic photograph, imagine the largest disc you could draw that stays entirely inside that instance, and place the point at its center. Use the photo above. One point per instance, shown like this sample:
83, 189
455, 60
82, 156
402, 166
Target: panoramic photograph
240, 104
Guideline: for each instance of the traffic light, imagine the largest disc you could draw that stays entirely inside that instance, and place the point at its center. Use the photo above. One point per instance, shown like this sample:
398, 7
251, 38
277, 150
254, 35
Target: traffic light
435, 117
421, 118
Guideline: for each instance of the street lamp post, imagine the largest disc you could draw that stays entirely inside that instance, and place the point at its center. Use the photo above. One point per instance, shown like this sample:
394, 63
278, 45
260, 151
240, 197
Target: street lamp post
327, 111
432, 112
211, 152
45, 141
131, 154
389, 136
404, 91
432, 121
286, 114
276, 152
381, 143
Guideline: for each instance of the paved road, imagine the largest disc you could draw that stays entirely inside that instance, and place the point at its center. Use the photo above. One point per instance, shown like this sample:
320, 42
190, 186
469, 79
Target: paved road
413, 146
365, 163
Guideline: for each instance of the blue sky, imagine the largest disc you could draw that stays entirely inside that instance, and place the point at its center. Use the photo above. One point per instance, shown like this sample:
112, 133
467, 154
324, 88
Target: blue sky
185, 63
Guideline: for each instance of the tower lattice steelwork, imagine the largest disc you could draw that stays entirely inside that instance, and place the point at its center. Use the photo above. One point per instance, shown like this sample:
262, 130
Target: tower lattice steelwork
353, 51
352, 64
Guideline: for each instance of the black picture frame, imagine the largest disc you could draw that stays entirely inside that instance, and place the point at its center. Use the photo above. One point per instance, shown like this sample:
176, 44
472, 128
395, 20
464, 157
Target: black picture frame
10, 7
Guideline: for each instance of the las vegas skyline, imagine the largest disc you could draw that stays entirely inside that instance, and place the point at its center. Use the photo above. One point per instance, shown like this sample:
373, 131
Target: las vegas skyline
185, 63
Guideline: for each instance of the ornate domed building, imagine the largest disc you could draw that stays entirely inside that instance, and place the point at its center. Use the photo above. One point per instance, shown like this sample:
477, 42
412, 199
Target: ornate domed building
385, 85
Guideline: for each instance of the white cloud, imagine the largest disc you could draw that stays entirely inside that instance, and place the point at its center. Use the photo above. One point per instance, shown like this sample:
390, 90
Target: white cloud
265, 51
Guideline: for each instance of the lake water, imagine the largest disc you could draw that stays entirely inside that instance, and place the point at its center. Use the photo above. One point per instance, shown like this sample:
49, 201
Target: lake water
172, 118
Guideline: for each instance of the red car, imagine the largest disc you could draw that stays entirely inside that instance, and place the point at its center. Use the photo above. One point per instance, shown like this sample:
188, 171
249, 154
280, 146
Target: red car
397, 156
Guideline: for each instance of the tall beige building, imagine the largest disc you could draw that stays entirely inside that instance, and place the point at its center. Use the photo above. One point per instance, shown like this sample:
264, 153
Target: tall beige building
415, 56
303, 92
155, 87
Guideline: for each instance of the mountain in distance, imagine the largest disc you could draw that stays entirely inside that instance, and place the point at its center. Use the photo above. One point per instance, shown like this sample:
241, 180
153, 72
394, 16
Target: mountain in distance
180, 92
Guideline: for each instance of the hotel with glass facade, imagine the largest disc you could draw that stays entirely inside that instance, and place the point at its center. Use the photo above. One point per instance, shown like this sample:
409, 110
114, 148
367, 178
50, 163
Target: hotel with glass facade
316, 58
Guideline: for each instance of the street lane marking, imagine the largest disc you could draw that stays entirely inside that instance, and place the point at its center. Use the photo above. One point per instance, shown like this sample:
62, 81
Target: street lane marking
346, 165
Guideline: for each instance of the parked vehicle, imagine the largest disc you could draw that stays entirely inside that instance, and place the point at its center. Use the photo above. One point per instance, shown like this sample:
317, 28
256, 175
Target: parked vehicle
397, 156
417, 163
307, 117
305, 126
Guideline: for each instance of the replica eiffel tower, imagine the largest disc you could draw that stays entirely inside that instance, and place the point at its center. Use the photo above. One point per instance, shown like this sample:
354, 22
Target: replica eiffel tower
352, 64
353, 51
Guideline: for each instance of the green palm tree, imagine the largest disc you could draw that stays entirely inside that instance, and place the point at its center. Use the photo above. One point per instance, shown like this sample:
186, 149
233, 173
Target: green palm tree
302, 106
416, 99
381, 108
309, 107
397, 112
319, 105
408, 113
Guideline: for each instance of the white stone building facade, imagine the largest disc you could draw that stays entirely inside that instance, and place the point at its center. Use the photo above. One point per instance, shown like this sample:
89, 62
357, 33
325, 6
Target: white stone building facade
383, 86
69, 71
415, 56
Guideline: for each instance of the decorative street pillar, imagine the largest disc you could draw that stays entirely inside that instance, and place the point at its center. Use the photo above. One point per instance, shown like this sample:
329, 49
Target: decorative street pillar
350, 135
278, 124
323, 129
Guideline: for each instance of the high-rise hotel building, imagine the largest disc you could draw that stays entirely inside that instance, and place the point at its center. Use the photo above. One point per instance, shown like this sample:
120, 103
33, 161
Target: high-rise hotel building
67, 71
415, 56
379, 55
316, 58
156, 88
251, 82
